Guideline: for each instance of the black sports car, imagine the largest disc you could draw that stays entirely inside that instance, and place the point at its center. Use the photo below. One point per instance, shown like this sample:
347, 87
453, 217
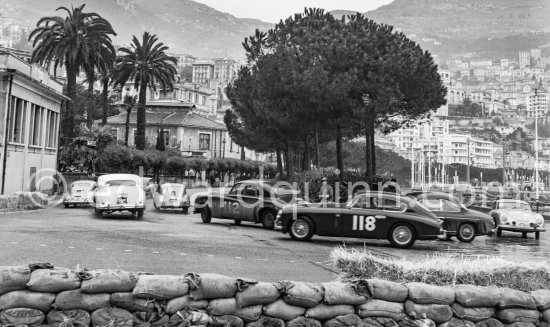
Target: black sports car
250, 200
372, 215
458, 220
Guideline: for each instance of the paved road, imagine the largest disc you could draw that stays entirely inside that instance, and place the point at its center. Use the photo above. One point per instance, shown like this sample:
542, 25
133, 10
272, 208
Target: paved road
173, 243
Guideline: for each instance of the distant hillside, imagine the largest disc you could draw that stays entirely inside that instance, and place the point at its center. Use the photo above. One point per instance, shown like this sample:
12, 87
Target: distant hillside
184, 25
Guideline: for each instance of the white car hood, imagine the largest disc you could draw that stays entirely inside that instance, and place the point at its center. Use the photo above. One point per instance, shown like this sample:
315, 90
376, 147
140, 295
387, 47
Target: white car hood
519, 215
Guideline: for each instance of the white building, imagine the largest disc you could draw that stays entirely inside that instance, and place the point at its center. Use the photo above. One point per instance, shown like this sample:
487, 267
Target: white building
537, 103
524, 59
31, 104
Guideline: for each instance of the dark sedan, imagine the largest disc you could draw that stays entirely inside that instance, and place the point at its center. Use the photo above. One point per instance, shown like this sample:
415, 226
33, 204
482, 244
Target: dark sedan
458, 220
371, 215
250, 200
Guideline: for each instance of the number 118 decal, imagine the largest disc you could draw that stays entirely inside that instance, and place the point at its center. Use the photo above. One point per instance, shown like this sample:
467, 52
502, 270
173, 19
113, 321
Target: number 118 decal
364, 223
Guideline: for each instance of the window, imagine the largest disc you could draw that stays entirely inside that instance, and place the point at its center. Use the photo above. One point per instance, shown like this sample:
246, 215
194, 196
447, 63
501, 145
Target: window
204, 141
166, 137
51, 124
36, 125
17, 120
114, 133
135, 135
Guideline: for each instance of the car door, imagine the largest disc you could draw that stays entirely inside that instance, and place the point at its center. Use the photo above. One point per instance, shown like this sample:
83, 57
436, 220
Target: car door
230, 206
446, 210
371, 216
250, 198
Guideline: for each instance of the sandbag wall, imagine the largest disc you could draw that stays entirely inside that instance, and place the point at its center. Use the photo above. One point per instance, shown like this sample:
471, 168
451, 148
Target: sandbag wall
40, 295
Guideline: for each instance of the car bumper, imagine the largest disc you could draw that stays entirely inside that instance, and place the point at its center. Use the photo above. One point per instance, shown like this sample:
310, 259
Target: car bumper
521, 229
278, 225
174, 206
442, 235
121, 207
77, 201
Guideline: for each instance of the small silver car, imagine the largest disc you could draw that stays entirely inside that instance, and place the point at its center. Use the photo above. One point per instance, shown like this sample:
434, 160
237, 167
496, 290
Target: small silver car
81, 192
171, 196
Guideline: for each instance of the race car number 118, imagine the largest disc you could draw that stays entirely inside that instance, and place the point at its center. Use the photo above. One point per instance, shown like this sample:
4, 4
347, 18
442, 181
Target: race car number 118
364, 223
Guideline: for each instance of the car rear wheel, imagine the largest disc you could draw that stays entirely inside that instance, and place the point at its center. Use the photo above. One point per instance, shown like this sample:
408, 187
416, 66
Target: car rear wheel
402, 235
302, 229
237, 222
185, 210
268, 218
537, 235
466, 232
66, 205
139, 213
98, 213
206, 215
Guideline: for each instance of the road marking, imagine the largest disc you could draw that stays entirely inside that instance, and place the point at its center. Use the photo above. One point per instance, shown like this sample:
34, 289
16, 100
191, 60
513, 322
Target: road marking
211, 255
261, 259
156, 252
43, 245
238, 258
99, 249
183, 253
14, 242
127, 250
71, 247
291, 261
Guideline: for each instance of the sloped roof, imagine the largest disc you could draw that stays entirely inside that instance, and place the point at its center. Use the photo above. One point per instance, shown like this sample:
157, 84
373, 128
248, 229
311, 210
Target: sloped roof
184, 118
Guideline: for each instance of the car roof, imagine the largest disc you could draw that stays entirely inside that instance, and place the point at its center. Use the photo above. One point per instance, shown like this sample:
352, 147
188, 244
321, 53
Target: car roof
511, 201
110, 177
172, 184
83, 181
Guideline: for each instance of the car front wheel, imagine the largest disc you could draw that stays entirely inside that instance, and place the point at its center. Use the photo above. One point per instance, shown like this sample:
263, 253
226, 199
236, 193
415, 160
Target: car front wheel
139, 213
268, 218
206, 215
402, 236
302, 229
98, 213
466, 232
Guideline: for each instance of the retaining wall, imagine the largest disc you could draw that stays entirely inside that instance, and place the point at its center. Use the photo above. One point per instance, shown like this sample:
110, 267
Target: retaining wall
40, 295
22, 201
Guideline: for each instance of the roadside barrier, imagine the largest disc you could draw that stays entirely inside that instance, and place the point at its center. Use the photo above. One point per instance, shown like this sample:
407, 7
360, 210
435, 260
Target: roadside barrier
22, 201
41, 295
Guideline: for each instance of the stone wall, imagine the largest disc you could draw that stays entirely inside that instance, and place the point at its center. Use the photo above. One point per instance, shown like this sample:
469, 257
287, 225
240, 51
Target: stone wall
40, 294
22, 201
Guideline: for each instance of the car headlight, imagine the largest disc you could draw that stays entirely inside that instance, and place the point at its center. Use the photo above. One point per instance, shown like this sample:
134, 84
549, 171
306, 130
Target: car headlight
539, 220
440, 221
504, 218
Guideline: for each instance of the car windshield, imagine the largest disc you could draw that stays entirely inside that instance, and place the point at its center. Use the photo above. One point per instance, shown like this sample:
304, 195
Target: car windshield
120, 183
514, 205
81, 184
172, 188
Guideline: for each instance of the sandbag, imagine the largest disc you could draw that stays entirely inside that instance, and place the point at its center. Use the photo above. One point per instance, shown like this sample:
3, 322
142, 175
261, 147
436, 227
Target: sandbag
542, 299
477, 296
510, 298
351, 320
520, 324
182, 302
325, 312
388, 291
228, 306
27, 299
14, 278
303, 294
54, 280
472, 314
385, 322
190, 317
68, 318
259, 293
518, 315
439, 313
546, 315
112, 317
21, 316
267, 322
281, 309
455, 322
341, 293
160, 287
109, 281
148, 319
303, 322
544, 324
381, 308
409, 322
226, 321
70, 300
211, 286
422, 293
371, 322
128, 301
491, 322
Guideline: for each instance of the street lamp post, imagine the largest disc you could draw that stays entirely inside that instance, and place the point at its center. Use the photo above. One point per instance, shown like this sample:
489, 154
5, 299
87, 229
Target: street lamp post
536, 149
468, 162
223, 151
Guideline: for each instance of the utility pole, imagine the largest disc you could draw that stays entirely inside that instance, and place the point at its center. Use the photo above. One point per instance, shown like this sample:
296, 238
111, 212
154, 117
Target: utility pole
468, 162
536, 149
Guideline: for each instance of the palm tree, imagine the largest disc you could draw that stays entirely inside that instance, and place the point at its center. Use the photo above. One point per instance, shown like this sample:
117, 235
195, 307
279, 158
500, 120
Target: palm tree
130, 103
148, 65
69, 41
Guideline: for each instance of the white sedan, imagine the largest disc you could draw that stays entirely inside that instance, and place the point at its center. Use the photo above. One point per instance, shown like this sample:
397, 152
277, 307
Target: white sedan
171, 196
516, 216
119, 192
81, 192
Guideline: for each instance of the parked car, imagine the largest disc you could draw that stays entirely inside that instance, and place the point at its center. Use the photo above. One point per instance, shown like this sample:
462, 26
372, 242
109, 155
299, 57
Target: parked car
372, 215
532, 186
458, 220
119, 192
516, 216
249, 200
80, 192
171, 196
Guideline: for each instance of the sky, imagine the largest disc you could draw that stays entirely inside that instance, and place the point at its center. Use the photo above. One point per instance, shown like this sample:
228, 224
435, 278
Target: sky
272, 11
